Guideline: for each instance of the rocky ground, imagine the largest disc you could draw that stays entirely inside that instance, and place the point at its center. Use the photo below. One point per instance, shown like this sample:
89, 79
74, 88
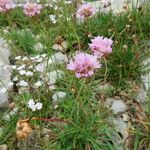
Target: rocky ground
117, 105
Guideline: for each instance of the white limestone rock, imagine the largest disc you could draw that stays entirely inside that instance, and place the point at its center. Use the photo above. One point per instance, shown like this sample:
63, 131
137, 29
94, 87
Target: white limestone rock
118, 106
121, 127
58, 96
146, 77
3, 147
4, 51
125, 117
142, 96
3, 97
57, 58
54, 75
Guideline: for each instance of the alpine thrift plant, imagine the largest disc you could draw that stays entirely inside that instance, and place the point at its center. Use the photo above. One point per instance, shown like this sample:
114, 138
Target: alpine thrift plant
101, 46
85, 11
32, 9
6, 5
83, 65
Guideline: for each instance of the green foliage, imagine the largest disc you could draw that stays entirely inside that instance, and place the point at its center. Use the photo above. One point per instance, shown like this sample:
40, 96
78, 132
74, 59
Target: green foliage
24, 40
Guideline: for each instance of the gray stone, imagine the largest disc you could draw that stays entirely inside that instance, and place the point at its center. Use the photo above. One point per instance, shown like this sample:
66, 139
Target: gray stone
125, 117
142, 96
121, 127
3, 147
146, 77
58, 58
3, 98
118, 106
53, 76
58, 96
109, 102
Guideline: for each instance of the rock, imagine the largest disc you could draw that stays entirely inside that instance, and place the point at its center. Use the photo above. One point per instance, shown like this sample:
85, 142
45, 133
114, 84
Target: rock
146, 77
58, 58
5, 73
39, 47
3, 98
3, 147
58, 96
118, 106
41, 67
125, 117
142, 96
4, 51
121, 127
109, 102
54, 75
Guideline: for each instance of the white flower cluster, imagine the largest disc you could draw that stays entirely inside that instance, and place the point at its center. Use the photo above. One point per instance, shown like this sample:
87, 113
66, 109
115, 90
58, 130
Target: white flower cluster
53, 19
34, 106
25, 68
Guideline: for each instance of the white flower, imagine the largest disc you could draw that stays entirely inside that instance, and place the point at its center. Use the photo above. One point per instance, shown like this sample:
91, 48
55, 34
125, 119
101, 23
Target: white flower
43, 55
68, 2
13, 67
21, 67
29, 73
15, 79
37, 57
22, 72
22, 83
56, 7
31, 66
53, 18
33, 106
39, 60
32, 58
39, 106
38, 84
18, 57
25, 58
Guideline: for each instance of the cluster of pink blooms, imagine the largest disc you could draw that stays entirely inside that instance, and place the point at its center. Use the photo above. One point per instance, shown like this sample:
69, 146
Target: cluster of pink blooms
85, 11
6, 5
83, 65
101, 46
32, 9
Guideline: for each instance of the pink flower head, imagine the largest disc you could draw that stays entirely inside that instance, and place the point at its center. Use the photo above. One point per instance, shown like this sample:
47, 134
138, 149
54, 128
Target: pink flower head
85, 11
83, 65
32, 9
6, 5
101, 46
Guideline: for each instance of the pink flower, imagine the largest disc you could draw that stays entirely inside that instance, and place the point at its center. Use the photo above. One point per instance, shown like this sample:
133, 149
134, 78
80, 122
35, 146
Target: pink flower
85, 11
32, 9
6, 5
101, 46
83, 65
